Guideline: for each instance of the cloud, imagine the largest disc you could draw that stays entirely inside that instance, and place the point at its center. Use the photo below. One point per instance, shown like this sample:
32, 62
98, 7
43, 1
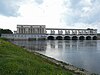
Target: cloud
8, 23
48, 13
39, 1
83, 12
9, 7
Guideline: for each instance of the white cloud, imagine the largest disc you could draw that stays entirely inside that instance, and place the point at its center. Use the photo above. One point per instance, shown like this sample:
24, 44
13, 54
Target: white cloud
86, 3
8, 23
48, 13
82, 14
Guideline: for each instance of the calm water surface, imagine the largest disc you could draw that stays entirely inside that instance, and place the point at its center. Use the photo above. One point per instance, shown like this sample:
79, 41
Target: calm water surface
84, 54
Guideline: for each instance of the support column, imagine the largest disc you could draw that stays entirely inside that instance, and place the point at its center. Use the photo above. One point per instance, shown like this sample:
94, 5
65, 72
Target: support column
77, 37
60, 32
39, 30
75, 32
95, 32
23, 30
69, 31
17, 30
78, 32
52, 32
81, 32
32, 30
45, 30
66, 32
85, 32
84, 37
88, 32
72, 32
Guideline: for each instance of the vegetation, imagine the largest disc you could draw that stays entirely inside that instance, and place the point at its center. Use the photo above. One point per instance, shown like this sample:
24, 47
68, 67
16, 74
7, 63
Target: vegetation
5, 31
15, 60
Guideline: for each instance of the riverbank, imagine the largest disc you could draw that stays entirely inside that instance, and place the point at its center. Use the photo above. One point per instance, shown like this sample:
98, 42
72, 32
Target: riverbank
78, 71
15, 60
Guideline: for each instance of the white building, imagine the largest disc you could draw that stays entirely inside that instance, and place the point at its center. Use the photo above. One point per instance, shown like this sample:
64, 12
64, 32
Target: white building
31, 29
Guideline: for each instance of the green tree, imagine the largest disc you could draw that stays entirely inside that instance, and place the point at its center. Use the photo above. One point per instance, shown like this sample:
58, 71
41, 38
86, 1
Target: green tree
5, 31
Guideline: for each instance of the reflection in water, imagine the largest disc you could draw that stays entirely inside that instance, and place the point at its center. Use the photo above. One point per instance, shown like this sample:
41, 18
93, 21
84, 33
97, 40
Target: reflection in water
81, 53
52, 44
72, 44
32, 45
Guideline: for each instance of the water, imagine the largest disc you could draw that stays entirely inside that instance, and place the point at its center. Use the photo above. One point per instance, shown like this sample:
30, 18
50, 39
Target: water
84, 54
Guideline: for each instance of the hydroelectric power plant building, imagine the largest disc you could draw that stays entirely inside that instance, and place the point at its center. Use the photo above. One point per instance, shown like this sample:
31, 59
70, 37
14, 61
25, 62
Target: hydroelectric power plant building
36, 32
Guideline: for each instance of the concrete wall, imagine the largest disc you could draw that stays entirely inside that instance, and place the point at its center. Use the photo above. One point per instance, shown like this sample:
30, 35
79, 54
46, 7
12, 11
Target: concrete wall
23, 36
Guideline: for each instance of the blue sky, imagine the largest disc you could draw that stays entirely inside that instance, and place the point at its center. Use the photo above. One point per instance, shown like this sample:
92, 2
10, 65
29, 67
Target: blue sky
52, 13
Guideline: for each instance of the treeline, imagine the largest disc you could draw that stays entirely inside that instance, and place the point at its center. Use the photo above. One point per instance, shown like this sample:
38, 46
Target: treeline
5, 31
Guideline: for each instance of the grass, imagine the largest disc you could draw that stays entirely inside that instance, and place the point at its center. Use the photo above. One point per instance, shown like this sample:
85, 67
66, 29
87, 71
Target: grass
17, 61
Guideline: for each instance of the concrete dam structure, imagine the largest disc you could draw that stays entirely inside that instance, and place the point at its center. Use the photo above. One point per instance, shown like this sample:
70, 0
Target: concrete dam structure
71, 34
36, 32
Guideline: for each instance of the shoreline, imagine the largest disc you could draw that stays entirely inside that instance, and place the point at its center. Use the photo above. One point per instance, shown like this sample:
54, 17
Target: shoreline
66, 66
16, 60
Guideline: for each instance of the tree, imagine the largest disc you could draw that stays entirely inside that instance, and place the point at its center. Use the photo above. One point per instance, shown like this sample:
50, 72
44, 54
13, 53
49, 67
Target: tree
5, 31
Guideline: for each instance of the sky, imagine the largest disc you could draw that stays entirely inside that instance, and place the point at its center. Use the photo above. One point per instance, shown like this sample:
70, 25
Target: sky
52, 13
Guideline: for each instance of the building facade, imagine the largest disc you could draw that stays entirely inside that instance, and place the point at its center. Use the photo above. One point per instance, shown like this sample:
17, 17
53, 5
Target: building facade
31, 29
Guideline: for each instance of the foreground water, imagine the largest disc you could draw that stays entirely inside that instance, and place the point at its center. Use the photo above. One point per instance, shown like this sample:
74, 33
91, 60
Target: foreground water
84, 54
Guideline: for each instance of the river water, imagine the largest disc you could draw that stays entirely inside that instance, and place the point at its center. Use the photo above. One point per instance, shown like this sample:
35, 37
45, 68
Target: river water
83, 54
